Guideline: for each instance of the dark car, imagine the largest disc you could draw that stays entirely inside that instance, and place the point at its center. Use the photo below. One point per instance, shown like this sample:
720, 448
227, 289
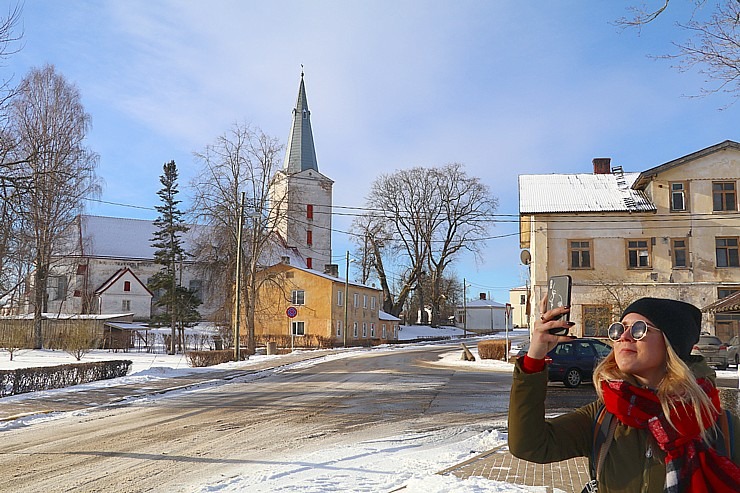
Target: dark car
572, 362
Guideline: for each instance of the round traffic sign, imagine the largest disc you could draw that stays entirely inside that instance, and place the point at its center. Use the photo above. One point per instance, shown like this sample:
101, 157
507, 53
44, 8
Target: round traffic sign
291, 311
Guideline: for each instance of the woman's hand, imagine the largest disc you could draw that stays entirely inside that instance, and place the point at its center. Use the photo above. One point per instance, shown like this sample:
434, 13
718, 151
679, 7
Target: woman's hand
541, 341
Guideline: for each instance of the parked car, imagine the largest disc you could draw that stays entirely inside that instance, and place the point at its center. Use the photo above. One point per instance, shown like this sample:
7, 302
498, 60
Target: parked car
732, 350
713, 350
518, 348
572, 362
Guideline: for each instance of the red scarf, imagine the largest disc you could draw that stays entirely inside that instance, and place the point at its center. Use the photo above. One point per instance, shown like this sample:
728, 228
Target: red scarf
690, 464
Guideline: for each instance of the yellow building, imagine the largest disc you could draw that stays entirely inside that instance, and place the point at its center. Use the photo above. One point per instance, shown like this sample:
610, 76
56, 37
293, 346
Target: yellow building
317, 303
671, 231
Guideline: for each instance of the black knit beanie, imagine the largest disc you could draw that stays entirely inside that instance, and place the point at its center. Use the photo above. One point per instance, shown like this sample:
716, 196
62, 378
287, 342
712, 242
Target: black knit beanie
679, 321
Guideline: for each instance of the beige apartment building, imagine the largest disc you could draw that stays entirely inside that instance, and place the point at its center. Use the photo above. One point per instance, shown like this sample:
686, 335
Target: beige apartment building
670, 231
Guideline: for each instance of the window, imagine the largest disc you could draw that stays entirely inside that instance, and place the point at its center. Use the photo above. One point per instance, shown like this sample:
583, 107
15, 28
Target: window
126, 305
56, 287
372, 302
678, 196
723, 196
382, 328
127, 286
339, 328
354, 330
364, 329
298, 297
298, 328
372, 329
196, 286
727, 252
340, 298
309, 211
364, 301
356, 299
580, 254
309, 263
679, 253
596, 320
309, 237
725, 292
638, 254
522, 299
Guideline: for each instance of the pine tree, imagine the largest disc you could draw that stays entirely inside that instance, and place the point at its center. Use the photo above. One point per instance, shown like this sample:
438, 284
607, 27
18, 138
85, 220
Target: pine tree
179, 304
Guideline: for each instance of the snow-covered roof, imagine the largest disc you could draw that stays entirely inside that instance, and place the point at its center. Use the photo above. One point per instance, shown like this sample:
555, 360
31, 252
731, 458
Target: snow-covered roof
124, 238
483, 304
387, 317
330, 277
584, 192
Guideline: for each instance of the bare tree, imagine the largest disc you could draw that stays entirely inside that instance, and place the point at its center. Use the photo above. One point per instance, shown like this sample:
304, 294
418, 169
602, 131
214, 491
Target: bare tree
244, 159
49, 126
429, 216
462, 212
713, 43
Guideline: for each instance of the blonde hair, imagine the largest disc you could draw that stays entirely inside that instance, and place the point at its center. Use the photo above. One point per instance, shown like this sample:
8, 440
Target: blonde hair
677, 388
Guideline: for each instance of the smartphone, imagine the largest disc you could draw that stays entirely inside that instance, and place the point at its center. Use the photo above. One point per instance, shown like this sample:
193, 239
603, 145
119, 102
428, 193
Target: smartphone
558, 295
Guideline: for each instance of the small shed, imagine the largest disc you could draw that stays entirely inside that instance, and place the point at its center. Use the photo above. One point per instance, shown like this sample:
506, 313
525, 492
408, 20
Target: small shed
482, 315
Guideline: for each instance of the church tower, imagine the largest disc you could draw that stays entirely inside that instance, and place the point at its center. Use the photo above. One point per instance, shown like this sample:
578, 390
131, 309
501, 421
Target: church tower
300, 196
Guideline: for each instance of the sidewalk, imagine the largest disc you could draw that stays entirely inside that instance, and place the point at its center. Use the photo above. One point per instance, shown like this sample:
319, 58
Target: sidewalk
499, 465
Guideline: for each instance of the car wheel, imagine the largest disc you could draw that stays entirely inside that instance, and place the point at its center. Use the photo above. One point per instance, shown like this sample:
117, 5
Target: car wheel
737, 359
572, 378
723, 367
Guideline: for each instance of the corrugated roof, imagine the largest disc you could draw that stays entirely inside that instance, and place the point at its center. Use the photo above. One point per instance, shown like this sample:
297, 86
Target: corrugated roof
585, 192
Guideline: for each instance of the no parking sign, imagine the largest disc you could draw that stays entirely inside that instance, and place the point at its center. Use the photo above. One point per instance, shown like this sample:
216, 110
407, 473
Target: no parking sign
291, 312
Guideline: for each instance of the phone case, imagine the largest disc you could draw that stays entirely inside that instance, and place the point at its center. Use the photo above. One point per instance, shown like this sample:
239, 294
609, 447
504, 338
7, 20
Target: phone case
558, 295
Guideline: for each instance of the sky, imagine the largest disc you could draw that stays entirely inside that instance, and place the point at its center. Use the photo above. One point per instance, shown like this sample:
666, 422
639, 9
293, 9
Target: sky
503, 87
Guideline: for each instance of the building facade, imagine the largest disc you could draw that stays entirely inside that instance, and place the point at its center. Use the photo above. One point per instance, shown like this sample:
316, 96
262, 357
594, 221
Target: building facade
318, 302
670, 231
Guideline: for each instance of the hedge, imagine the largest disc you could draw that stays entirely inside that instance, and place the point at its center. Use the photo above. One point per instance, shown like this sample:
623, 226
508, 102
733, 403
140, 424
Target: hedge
493, 349
24, 380
198, 359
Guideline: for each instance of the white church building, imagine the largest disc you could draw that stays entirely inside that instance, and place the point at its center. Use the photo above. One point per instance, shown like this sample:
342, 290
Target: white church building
109, 261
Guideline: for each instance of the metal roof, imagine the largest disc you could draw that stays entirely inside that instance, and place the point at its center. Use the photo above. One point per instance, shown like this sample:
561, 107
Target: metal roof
300, 154
727, 304
584, 192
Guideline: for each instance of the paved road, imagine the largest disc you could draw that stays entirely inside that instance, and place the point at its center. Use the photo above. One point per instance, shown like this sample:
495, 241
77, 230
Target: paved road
170, 444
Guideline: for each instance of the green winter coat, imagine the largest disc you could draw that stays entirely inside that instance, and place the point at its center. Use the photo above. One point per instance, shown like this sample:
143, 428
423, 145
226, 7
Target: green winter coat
634, 463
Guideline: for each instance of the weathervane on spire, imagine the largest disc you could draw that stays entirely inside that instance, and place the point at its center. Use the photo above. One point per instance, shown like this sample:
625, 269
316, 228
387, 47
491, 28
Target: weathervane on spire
301, 70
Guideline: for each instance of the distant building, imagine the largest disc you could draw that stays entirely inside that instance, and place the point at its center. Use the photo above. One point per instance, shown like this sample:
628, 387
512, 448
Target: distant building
518, 301
482, 315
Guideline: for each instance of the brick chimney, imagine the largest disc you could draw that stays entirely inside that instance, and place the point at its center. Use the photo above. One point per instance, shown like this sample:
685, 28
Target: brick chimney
331, 270
602, 165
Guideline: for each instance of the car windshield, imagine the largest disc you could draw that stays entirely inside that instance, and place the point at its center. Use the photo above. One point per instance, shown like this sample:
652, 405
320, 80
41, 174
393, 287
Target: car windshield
709, 340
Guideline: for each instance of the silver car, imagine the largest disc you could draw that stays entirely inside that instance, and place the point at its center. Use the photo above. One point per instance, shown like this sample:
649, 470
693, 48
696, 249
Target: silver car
713, 350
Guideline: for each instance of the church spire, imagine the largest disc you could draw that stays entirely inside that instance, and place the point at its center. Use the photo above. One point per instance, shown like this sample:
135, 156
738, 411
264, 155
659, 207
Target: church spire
300, 154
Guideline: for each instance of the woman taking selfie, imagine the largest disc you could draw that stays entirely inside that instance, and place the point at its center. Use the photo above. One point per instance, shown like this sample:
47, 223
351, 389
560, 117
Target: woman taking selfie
657, 424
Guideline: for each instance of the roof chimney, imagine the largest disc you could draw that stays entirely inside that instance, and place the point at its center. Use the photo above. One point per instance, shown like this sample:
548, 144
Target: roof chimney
483, 296
602, 165
331, 270
285, 260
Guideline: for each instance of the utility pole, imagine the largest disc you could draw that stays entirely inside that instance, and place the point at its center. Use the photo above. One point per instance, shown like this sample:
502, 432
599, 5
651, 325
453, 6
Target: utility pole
346, 299
465, 310
238, 283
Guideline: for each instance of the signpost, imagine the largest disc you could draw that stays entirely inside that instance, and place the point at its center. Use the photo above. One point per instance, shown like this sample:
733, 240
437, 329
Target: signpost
291, 312
507, 317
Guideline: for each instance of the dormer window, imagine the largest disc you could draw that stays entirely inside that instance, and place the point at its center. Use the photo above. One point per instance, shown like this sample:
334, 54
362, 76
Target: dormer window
127, 286
305, 114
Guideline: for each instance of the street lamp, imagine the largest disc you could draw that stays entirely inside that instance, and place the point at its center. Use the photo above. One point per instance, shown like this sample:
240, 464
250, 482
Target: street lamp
346, 298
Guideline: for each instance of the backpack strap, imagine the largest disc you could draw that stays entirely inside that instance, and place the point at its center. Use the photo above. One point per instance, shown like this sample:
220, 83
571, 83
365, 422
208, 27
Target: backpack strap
603, 434
724, 446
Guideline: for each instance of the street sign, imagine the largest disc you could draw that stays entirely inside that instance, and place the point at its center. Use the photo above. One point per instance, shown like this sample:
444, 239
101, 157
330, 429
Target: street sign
291, 312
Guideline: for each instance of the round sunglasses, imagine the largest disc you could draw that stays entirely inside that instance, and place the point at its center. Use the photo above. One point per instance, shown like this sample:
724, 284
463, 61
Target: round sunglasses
638, 330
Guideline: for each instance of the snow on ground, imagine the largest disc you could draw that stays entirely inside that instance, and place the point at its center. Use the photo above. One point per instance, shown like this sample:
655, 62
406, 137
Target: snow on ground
409, 461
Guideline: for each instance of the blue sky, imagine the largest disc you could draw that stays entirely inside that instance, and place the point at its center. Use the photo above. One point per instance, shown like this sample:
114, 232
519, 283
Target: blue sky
504, 87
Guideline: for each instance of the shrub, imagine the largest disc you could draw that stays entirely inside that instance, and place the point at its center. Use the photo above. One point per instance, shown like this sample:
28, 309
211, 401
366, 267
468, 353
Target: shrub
79, 339
198, 359
25, 380
493, 349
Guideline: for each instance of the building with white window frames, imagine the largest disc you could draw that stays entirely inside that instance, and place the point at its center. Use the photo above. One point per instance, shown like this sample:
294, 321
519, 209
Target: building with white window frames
672, 230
